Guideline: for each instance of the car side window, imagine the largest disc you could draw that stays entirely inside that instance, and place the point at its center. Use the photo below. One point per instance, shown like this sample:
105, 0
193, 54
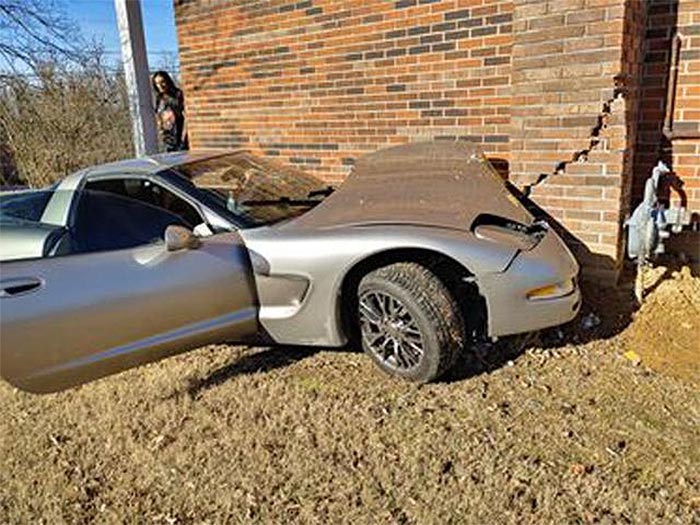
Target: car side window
104, 221
24, 205
151, 193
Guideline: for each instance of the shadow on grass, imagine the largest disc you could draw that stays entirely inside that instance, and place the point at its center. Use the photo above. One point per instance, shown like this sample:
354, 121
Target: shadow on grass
484, 357
263, 360
257, 360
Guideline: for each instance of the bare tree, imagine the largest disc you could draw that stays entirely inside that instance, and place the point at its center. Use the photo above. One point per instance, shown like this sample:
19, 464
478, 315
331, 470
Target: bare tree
8, 166
35, 31
61, 107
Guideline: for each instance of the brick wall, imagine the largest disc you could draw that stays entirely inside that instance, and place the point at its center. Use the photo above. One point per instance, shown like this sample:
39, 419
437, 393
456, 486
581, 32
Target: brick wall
631, 84
661, 26
569, 120
686, 120
319, 82
679, 147
572, 89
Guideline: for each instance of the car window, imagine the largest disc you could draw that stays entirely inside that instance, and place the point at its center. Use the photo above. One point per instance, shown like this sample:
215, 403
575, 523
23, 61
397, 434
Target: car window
106, 221
149, 192
27, 205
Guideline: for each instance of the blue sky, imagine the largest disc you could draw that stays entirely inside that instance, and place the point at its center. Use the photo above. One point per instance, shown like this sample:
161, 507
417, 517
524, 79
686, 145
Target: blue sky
97, 20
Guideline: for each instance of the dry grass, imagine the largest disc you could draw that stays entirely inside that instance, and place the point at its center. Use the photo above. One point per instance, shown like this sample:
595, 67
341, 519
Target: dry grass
564, 433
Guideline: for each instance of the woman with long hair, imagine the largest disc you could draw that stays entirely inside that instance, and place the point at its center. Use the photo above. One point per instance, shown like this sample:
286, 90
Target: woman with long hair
170, 112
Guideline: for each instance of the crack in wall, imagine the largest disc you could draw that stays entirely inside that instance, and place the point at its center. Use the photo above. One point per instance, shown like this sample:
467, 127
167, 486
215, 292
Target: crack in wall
594, 137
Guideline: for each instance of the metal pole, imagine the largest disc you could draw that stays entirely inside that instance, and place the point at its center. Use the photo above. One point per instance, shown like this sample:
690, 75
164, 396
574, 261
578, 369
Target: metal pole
137, 77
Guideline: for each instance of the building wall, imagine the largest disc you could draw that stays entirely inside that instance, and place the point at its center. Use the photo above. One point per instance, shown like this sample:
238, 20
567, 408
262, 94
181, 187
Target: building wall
681, 148
633, 49
572, 98
686, 120
569, 95
661, 27
319, 82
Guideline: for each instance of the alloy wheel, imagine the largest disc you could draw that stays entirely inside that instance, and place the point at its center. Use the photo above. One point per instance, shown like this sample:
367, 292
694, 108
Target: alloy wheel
389, 330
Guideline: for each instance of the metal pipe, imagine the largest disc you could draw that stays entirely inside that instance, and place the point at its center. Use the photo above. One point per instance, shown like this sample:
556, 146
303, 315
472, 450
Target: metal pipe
688, 130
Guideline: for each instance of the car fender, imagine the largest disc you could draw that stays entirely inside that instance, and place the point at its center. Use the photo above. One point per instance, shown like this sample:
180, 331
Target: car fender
299, 273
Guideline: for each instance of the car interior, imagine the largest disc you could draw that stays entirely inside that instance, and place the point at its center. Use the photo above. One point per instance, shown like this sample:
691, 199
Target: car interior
118, 213
148, 192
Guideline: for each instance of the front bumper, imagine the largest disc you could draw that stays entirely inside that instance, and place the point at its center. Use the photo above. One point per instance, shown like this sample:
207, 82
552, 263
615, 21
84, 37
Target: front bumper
509, 309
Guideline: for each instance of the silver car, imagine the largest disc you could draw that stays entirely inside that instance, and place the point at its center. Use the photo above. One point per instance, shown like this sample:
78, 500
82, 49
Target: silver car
421, 251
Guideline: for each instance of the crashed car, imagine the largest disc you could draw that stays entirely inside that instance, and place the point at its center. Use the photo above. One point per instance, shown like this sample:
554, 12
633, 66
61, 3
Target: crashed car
420, 252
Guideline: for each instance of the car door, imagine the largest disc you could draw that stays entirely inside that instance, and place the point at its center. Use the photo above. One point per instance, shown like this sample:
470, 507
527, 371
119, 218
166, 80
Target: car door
71, 319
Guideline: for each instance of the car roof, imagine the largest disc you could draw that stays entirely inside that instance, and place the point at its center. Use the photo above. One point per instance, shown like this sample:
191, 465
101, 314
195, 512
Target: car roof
154, 163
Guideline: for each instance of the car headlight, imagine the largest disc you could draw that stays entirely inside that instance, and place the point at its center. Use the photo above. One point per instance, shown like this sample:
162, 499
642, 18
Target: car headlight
552, 291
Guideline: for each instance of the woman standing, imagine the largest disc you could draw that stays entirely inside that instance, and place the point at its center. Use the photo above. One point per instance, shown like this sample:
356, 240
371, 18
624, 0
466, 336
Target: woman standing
170, 112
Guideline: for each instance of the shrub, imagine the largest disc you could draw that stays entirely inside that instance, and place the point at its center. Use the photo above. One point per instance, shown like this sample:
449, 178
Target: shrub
59, 119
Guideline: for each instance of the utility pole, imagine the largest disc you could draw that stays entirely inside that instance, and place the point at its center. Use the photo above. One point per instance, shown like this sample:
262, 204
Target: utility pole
137, 76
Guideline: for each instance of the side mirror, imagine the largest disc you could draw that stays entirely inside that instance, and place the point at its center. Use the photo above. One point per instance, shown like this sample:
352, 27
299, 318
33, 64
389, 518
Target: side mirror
180, 238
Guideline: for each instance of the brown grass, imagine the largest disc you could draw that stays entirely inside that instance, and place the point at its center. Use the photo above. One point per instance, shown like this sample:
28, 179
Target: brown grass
563, 433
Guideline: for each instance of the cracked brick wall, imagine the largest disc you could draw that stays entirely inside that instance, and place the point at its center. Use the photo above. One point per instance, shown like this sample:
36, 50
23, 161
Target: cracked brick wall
568, 94
574, 68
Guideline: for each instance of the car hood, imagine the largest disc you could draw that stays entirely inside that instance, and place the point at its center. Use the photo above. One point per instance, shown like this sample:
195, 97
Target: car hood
441, 184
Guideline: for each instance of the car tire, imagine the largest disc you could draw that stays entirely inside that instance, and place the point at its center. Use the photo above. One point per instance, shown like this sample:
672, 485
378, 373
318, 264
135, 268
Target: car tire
409, 324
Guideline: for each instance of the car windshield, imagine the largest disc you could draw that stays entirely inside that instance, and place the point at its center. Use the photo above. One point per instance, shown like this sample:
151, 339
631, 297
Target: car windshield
24, 205
257, 191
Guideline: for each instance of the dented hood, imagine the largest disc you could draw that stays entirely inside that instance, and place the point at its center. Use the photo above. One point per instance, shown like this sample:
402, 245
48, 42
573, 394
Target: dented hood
442, 184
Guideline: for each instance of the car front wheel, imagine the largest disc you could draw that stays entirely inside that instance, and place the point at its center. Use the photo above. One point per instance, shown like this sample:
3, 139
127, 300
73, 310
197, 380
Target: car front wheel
409, 323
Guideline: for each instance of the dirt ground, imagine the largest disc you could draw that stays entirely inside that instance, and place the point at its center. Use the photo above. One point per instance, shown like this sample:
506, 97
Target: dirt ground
564, 427
666, 330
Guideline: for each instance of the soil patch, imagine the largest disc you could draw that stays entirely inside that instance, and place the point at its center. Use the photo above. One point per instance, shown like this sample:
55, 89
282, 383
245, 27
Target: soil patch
665, 332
